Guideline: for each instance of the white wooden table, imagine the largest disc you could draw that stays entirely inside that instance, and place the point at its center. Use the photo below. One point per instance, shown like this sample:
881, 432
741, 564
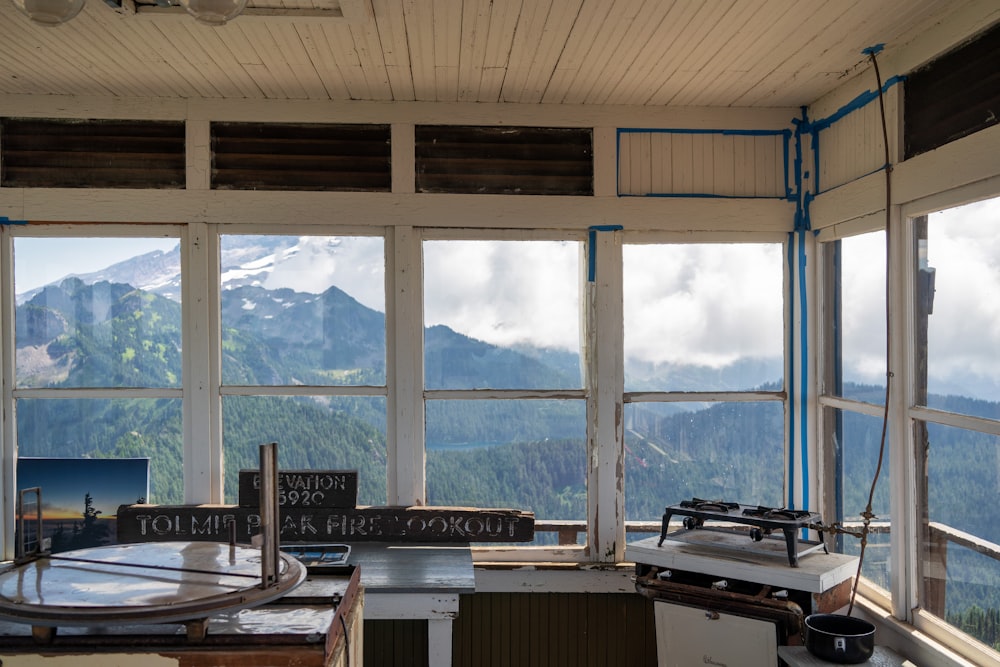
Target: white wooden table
815, 573
414, 581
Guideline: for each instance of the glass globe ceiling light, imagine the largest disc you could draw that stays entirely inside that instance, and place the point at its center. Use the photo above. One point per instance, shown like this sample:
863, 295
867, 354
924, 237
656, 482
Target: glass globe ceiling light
214, 12
49, 12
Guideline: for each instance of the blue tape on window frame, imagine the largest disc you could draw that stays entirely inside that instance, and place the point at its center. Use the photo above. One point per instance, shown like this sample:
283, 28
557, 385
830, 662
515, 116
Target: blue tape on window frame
803, 355
789, 258
592, 247
858, 102
4, 220
801, 211
798, 424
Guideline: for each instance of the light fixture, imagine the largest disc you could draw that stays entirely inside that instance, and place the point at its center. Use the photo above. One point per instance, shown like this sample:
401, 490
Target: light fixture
49, 12
214, 12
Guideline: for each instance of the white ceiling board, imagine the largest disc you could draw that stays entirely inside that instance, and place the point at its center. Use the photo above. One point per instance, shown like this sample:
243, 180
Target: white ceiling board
719, 53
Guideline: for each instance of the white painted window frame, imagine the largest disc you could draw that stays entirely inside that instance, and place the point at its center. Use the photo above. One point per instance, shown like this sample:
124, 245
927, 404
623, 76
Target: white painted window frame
903, 602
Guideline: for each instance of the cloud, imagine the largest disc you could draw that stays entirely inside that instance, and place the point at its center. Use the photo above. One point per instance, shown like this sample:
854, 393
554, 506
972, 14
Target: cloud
355, 264
505, 292
705, 304
863, 309
963, 247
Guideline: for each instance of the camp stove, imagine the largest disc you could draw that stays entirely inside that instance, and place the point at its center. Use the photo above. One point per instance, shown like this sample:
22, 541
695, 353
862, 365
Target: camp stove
763, 523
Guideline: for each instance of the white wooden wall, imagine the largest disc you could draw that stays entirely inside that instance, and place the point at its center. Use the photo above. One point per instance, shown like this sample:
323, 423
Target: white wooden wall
852, 147
696, 162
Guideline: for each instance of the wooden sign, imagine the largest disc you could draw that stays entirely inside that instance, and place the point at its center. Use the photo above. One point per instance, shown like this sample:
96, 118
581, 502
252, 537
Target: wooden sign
304, 488
165, 523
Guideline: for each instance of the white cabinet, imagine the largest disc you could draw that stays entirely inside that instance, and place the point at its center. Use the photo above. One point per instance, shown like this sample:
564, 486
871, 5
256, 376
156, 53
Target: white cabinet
687, 636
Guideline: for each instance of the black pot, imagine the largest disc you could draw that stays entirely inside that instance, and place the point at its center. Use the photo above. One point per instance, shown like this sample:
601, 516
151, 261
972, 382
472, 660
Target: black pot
840, 639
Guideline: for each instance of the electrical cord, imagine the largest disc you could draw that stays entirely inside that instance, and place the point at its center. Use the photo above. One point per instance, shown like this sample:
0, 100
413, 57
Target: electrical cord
867, 515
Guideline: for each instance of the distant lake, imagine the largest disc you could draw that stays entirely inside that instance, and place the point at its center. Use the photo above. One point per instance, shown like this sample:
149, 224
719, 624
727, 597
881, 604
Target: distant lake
461, 446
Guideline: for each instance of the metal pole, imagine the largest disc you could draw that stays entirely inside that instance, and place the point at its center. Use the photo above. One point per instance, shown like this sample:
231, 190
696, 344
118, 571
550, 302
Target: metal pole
269, 527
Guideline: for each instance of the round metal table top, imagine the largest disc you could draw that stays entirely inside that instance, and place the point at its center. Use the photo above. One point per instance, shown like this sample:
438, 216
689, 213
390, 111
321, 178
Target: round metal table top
158, 582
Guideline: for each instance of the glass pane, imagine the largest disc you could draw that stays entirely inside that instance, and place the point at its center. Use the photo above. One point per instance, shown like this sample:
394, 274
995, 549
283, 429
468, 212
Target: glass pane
703, 317
863, 314
313, 433
108, 428
674, 453
516, 454
963, 323
502, 315
303, 310
97, 312
961, 542
856, 449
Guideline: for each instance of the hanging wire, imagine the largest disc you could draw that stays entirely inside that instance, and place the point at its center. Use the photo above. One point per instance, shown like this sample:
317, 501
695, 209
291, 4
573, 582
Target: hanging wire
868, 515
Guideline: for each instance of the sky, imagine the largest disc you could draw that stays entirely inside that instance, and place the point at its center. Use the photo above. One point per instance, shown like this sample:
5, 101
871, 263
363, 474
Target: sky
40, 261
963, 248
705, 303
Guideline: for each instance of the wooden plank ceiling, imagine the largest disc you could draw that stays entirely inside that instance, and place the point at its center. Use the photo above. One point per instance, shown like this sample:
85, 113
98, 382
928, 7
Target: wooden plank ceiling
739, 53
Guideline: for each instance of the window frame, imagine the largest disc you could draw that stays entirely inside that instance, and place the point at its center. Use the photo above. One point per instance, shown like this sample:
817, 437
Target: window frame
601, 340
8, 304
903, 600
719, 396
559, 553
911, 413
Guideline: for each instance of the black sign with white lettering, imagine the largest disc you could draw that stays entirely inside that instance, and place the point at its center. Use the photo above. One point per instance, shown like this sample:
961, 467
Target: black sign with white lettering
166, 523
304, 488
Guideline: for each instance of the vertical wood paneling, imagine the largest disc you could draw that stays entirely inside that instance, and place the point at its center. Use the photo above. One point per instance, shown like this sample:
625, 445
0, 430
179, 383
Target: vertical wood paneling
554, 630
502, 26
573, 64
851, 147
396, 644
526, 42
702, 164
391, 29
724, 184
732, 53
475, 31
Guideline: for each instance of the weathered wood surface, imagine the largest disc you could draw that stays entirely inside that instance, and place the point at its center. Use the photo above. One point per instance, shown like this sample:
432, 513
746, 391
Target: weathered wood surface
304, 488
160, 523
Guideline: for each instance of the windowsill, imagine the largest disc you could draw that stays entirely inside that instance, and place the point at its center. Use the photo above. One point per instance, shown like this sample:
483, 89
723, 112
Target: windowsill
554, 577
918, 646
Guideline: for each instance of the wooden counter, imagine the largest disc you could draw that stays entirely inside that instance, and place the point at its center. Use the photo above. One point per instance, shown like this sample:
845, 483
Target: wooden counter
319, 625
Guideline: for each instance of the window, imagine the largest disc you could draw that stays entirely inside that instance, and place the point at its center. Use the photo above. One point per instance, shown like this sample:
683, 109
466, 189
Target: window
303, 355
704, 362
856, 358
286, 338
862, 319
97, 364
957, 414
505, 410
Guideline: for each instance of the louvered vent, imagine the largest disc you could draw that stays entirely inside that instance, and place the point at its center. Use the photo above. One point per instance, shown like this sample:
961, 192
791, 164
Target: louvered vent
254, 156
504, 160
45, 153
953, 96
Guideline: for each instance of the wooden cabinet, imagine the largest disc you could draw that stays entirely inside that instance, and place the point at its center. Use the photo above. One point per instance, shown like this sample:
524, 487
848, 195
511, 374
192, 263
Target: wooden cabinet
689, 636
323, 626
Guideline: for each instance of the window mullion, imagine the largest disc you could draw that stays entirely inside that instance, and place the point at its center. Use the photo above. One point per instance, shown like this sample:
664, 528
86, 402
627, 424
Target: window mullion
201, 358
405, 370
605, 383
8, 452
901, 446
